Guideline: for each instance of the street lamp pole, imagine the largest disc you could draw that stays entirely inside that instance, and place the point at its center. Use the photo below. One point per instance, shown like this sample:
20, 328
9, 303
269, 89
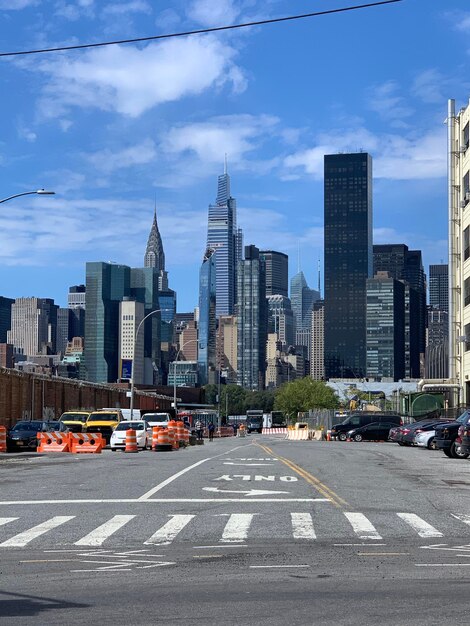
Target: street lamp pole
133, 355
39, 192
174, 372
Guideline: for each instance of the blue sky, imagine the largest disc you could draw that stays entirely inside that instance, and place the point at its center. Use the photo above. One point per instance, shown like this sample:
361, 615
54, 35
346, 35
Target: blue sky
110, 129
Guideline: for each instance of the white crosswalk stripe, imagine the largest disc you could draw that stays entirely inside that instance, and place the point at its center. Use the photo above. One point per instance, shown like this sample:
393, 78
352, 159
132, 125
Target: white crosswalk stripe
302, 526
237, 527
417, 523
362, 526
18, 541
99, 535
167, 533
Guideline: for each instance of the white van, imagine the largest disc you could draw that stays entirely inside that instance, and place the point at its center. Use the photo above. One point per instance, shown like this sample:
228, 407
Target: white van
157, 419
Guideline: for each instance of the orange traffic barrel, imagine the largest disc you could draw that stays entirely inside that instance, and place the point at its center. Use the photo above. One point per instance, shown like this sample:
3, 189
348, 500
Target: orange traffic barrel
180, 432
163, 444
131, 441
155, 431
3, 439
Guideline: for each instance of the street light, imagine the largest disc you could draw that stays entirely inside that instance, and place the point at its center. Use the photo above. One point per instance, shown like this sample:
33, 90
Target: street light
174, 372
39, 192
133, 354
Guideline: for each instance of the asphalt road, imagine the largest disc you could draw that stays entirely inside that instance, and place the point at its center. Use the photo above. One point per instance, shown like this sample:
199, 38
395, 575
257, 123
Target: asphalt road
238, 531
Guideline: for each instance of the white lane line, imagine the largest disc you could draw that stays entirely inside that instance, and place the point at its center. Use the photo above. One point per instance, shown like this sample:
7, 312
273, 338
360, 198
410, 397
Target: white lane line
422, 528
277, 566
361, 526
170, 480
18, 541
239, 545
442, 564
97, 536
462, 518
302, 526
7, 520
162, 500
170, 530
237, 527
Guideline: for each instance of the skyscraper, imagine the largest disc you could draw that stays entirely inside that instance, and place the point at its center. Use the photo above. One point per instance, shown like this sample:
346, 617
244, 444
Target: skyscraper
439, 286
348, 261
224, 237
252, 320
207, 320
31, 324
277, 272
154, 255
317, 358
281, 319
5, 317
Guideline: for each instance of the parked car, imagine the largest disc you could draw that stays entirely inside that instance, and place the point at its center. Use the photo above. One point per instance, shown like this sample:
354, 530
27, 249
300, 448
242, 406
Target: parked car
408, 432
425, 439
356, 420
74, 420
24, 433
446, 437
118, 436
464, 435
377, 431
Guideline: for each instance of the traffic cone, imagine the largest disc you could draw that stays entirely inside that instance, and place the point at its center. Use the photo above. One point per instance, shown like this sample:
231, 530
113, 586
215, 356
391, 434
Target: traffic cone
131, 441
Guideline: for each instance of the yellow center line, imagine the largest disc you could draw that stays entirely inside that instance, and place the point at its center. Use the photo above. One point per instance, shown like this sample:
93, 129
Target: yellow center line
309, 478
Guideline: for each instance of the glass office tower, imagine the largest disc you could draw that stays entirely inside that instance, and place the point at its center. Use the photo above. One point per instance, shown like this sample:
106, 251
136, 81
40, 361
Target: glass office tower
207, 319
348, 261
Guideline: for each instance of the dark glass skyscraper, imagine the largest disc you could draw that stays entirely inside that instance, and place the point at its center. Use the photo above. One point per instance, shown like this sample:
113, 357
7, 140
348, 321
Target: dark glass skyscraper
5, 317
439, 286
348, 261
277, 272
252, 320
207, 319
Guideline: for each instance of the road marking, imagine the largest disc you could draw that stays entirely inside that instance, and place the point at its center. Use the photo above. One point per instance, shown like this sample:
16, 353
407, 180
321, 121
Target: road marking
251, 492
100, 534
277, 566
237, 527
21, 540
462, 518
7, 520
170, 530
422, 528
312, 480
171, 479
160, 501
362, 526
442, 564
207, 556
246, 464
358, 544
382, 553
219, 546
302, 526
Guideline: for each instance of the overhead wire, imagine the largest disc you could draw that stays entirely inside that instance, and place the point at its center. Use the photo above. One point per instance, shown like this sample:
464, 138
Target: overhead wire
201, 30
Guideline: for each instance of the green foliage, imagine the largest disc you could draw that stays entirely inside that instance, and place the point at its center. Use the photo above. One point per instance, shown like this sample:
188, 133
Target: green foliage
232, 400
304, 394
259, 400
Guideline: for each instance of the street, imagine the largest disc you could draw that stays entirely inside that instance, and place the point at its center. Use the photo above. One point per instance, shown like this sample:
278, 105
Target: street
239, 531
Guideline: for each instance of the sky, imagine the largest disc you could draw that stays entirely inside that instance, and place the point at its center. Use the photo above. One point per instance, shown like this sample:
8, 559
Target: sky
115, 130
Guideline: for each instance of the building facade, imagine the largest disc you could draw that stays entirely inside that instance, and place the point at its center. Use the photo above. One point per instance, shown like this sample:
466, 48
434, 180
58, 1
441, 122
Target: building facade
227, 347
5, 317
281, 319
317, 358
439, 286
31, 325
252, 320
207, 320
131, 345
277, 272
348, 261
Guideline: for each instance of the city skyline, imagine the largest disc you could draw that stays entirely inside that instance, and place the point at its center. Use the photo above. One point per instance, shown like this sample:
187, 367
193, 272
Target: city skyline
108, 153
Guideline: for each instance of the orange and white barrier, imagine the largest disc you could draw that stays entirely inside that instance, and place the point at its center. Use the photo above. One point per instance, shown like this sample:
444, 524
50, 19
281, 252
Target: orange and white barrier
131, 441
299, 435
155, 431
163, 437
53, 442
3, 439
225, 431
274, 431
179, 428
91, 443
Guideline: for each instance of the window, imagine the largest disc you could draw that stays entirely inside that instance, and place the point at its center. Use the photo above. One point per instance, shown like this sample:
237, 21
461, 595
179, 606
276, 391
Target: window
467, 337
466, 243
466, 291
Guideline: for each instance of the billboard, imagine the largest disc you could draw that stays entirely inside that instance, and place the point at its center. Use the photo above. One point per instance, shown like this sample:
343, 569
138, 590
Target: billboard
126, 368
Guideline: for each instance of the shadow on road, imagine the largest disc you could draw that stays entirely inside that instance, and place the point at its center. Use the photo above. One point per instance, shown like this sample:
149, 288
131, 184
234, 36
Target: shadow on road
24, 605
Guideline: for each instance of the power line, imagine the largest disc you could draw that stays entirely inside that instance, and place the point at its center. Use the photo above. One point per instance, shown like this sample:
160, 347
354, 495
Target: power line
200, 31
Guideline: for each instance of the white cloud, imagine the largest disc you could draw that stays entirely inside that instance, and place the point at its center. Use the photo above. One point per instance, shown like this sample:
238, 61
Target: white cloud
131, 80
235, 134
122, 8
167, 19
211, 13
73, 11
386, 102
427, 86
16, 5
462, 22
109, 160
394, 157
25, 133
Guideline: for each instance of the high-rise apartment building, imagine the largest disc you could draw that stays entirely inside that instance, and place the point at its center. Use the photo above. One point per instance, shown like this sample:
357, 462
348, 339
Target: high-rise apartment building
207, 319
252, 320
385, 327
31, 324
224, 237
131, 346
317, 352
277, 272
439, 286
458, 159
348, 261
227, 347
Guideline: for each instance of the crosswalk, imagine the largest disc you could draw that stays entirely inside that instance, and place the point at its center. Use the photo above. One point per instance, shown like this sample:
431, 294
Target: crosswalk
227, 528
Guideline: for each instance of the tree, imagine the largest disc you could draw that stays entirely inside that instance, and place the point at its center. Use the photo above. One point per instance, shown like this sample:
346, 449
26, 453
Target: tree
259, 400
304, 394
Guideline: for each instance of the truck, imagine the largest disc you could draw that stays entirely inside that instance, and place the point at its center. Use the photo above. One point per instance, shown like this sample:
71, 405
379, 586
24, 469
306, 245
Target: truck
254, 420
74, 420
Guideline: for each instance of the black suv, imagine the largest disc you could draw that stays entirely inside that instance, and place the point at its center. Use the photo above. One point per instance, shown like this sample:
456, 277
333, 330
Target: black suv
464, 435
447, 437
356, 420
24, 434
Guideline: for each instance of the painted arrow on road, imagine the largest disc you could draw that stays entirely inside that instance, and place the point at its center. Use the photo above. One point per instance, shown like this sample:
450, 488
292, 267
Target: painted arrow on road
444, 546
251, 492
